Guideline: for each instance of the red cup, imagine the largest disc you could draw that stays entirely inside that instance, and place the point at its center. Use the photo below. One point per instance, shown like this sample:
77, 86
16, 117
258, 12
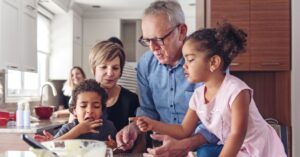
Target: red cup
3, 121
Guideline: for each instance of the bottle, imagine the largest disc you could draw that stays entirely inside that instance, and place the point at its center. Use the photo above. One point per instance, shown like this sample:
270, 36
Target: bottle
19, 115
26, 115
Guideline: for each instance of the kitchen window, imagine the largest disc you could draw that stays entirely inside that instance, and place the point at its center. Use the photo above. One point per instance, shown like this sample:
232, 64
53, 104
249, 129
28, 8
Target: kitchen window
22, 84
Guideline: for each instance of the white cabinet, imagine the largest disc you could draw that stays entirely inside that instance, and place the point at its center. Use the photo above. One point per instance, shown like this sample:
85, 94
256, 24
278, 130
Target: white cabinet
77, 55
18, 35
10, 34
77, 40
29, 36
77, 29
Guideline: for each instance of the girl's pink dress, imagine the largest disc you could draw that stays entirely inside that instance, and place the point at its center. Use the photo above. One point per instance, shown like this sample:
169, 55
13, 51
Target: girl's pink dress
261, 139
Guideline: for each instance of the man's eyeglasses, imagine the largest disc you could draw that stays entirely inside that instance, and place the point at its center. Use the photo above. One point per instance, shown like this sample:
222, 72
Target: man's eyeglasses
159, 41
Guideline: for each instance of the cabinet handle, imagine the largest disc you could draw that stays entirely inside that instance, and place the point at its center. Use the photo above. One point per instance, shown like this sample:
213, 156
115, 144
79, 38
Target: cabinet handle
30, 70
77, 37
270, 64
30, 7
235, 64
12, 67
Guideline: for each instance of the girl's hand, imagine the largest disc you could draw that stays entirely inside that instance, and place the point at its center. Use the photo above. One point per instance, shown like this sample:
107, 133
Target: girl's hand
46, 137
144, 123
88, 126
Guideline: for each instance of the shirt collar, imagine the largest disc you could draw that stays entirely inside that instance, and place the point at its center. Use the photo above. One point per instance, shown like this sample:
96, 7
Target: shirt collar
180, 63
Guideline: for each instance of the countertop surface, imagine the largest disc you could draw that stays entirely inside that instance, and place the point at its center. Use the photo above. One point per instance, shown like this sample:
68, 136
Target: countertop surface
36, 127
30, 154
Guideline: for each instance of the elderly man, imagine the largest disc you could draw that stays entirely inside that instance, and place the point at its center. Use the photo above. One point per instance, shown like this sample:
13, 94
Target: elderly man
164, 90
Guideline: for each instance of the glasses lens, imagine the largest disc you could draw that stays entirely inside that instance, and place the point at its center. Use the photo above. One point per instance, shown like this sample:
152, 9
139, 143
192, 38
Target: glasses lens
144, 42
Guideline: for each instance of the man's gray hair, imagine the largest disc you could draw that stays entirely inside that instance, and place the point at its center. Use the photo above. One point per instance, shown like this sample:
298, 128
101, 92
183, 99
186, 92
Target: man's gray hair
169, 7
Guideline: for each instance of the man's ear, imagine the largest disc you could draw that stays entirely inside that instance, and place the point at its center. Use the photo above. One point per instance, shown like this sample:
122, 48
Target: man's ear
215, 63
182, 31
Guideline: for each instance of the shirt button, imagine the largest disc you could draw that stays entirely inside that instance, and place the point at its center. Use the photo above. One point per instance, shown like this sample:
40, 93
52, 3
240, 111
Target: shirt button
171, 89
171, 105
174, 118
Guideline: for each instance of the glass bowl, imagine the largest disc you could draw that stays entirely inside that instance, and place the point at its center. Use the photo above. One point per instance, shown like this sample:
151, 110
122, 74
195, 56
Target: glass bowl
78, 148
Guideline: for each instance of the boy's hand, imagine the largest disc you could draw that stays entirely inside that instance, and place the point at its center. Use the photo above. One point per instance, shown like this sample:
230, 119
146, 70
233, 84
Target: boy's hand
111, 143
88, 126
144, 123
46, 137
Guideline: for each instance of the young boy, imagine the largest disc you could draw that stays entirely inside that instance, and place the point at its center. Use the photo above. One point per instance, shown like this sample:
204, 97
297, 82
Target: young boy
88, 103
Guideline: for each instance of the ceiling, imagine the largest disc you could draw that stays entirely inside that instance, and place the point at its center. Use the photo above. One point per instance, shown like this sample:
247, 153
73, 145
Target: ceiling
123, 5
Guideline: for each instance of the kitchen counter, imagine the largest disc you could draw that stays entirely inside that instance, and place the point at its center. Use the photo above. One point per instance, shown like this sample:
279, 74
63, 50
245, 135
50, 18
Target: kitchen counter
10, 138
35, 127
30, 154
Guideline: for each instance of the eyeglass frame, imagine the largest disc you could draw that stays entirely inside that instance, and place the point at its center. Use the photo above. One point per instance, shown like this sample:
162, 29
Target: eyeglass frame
159, 41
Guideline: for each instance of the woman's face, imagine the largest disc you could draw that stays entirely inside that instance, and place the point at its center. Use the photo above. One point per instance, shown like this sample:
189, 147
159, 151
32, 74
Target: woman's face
108, 73
76, 76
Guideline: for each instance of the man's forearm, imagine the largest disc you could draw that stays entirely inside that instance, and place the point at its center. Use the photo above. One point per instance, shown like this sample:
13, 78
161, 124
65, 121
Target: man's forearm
193, 142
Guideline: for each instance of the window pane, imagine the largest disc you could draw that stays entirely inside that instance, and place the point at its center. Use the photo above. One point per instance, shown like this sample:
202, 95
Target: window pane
42, 67
43, 34
14, 85
31, 84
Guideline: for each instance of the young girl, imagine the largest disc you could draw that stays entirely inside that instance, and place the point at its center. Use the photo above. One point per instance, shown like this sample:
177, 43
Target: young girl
224, 104
89, 103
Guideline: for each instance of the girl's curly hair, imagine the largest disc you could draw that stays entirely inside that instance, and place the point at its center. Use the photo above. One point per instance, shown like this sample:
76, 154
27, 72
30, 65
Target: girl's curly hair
225, 41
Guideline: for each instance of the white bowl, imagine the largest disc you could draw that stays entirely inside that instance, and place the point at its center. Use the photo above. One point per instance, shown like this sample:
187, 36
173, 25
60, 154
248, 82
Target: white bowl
78, 148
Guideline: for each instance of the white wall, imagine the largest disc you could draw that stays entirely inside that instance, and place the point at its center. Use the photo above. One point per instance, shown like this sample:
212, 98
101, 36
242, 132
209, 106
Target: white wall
62, 44
95, 30
296, 77
101, 25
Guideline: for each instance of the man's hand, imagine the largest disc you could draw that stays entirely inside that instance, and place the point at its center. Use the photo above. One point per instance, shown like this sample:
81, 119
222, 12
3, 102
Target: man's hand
46, 137
127, 136
170, 147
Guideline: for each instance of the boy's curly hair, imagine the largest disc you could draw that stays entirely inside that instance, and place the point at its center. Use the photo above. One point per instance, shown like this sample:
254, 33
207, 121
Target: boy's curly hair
89, 85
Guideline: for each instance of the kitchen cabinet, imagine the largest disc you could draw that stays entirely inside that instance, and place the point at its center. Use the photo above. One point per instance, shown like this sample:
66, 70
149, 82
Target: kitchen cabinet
237, 12
267, 24
270, 35
18, 35
10, 34
77, 40
29, 36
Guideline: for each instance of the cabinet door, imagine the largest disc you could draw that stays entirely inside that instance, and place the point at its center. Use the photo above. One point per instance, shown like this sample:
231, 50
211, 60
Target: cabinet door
270, 35
77, 54
10, 34
29, 38
236, 12
77, 29
30, 7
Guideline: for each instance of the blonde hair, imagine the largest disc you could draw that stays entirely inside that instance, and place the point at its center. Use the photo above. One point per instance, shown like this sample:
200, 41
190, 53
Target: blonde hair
69, 84
106, 51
